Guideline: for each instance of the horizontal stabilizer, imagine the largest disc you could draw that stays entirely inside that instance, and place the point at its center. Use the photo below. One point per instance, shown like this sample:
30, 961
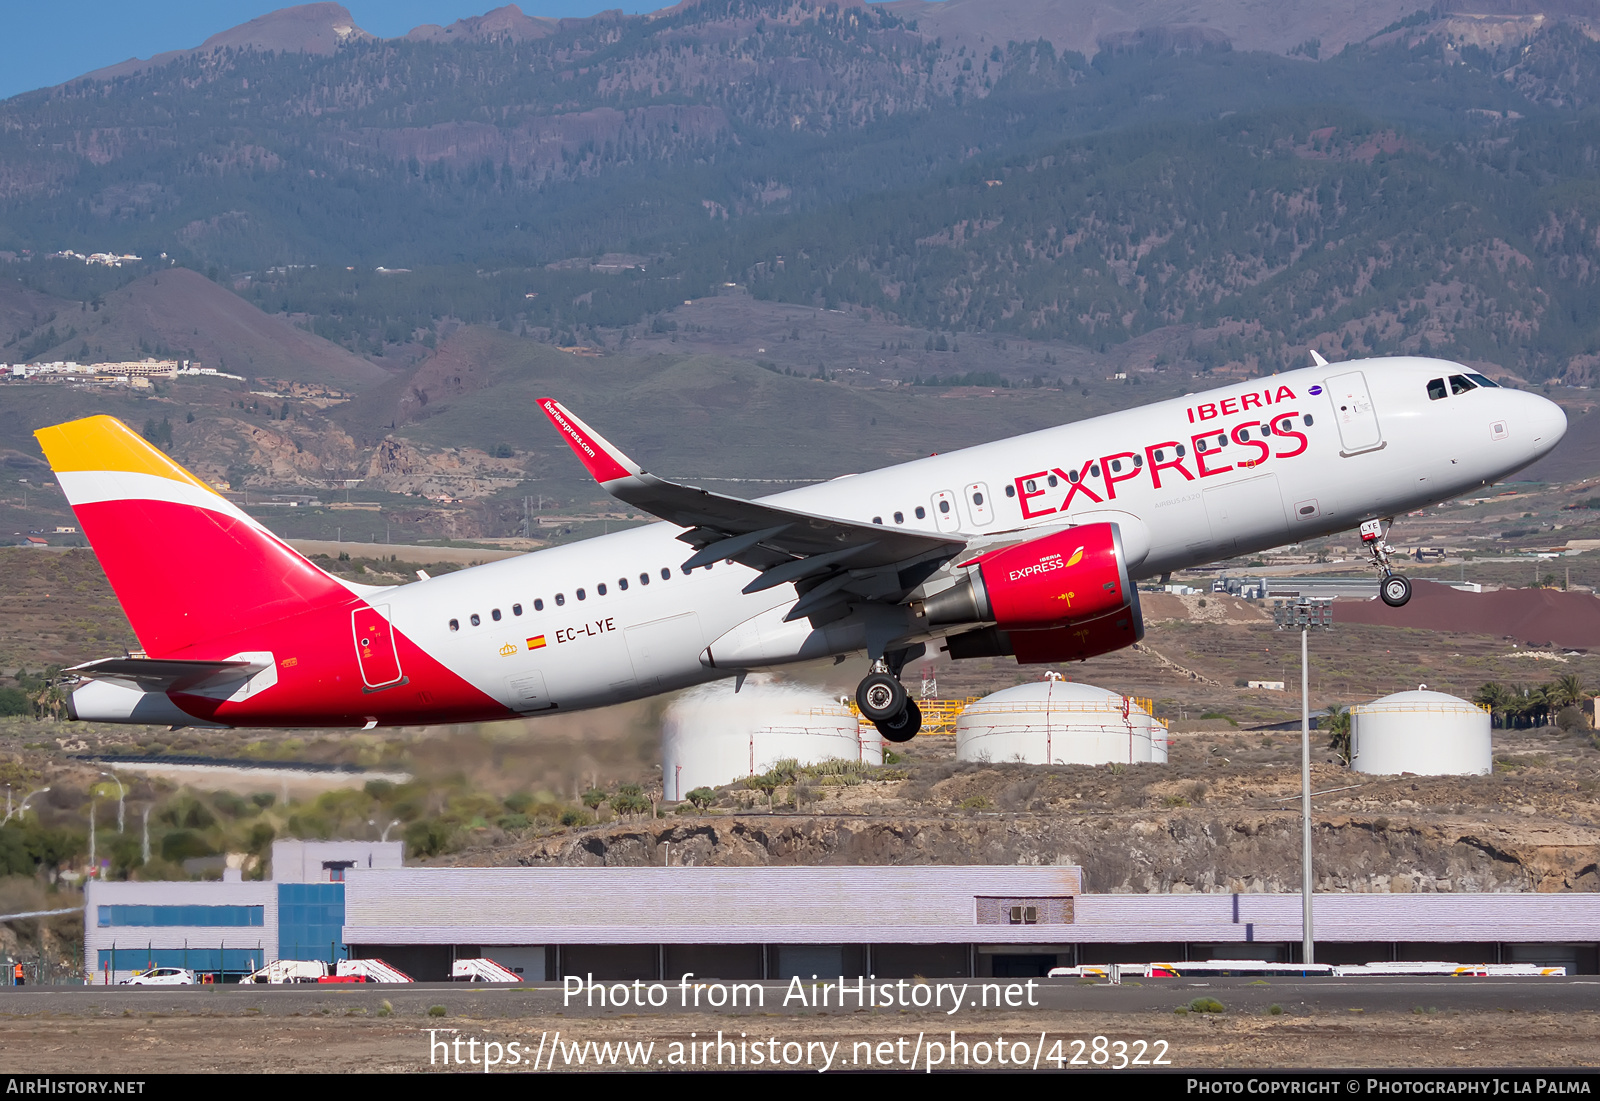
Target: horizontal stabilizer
167, 674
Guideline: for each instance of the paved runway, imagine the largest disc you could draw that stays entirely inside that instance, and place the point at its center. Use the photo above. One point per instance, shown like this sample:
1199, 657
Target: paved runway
1296, 996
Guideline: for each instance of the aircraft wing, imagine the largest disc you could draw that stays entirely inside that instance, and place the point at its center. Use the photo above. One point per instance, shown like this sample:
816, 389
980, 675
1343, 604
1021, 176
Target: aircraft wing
829, 559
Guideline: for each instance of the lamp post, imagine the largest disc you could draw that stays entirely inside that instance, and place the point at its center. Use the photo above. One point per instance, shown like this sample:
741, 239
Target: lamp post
1307, 614
121, 792
23, 808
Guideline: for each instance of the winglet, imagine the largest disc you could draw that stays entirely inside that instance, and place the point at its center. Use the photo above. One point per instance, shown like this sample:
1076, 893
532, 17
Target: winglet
603, 461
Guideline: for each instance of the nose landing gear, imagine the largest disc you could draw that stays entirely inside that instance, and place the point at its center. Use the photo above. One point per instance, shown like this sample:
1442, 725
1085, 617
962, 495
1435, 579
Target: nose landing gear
1393, 589
883, 700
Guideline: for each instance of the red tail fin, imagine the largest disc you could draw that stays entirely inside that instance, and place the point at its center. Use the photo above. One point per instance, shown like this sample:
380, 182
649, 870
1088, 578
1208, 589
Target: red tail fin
186, 563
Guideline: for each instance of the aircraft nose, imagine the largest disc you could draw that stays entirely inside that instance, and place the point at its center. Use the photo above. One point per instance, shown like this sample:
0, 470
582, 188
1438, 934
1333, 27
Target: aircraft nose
1547, 423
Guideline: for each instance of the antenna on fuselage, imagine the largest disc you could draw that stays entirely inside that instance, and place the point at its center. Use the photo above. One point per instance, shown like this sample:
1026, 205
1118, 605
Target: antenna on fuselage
1316, 358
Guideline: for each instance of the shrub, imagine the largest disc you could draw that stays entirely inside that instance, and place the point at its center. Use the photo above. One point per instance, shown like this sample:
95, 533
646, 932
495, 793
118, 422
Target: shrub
435, 1010
428, 837
181, 845
1205, 1005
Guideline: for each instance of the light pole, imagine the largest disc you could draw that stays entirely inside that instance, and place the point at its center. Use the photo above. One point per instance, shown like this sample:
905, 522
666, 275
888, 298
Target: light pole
23, 809
1308, 614
384, 837
120, 793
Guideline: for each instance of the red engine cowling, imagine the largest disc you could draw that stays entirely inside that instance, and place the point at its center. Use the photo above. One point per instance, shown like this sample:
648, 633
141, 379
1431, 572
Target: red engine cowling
1079, 642
1059, 580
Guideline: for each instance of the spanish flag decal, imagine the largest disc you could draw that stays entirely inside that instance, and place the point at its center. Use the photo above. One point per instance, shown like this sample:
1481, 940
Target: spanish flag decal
536, 642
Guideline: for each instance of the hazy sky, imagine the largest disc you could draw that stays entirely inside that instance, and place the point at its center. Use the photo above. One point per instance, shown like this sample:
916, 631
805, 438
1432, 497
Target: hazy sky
48, 43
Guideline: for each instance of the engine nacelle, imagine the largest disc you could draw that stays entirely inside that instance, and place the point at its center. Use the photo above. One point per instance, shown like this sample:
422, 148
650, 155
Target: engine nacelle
1079, 642
1058, 580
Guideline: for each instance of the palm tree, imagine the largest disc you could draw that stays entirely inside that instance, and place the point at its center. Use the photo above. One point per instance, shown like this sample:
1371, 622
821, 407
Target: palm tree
1337, 723
1568, 691
1497, 698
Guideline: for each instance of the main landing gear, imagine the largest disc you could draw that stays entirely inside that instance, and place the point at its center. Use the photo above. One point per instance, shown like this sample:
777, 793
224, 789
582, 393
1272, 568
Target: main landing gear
1393, 589
883, 700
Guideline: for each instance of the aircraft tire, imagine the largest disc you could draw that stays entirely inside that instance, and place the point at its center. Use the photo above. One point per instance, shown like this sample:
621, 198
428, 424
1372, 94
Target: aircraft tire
881, 697
1395, 590
903, 727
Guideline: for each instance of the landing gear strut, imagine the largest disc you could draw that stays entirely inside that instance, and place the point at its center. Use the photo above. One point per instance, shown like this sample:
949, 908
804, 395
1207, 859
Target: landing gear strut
1393, 589
883, 700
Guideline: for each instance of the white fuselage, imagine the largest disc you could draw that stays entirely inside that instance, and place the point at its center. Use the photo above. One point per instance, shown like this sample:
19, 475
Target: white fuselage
620, 619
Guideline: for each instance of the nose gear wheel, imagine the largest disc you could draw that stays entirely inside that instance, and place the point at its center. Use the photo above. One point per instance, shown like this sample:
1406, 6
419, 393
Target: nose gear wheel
1393, 588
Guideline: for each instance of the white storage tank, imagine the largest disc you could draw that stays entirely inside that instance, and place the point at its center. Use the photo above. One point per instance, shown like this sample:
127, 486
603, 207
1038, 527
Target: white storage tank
1060, 722
712, 735
1428, 733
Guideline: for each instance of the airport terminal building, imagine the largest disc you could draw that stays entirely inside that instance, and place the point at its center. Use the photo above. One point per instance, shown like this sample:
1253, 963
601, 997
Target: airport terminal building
329, 900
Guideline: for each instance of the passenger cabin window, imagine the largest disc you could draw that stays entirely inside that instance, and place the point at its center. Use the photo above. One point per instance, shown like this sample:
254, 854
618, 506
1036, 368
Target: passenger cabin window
561, 598
495, 615
1095, 470
899, 517
877, 519
455, 625
1116, 466
1460, 385
922, 513
1011, 491
644, 579
622, 583
1051, 481
538, 604
944, 506
600, 588
666, 573
1072, 475
1436, 389
1138, 462
977, 499
1181, 451
516, 609
475, 620
1309, 420
582, 595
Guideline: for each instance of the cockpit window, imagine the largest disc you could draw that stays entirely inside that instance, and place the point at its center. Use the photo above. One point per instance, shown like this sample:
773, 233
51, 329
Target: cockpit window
1436, 389
1460, 385
1482, 380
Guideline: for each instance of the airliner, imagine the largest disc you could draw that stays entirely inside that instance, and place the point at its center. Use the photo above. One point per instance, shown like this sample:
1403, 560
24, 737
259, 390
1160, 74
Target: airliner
1029, 547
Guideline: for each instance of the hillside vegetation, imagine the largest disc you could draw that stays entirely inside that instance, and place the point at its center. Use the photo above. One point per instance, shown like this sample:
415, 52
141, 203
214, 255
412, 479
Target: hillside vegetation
1431, 188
